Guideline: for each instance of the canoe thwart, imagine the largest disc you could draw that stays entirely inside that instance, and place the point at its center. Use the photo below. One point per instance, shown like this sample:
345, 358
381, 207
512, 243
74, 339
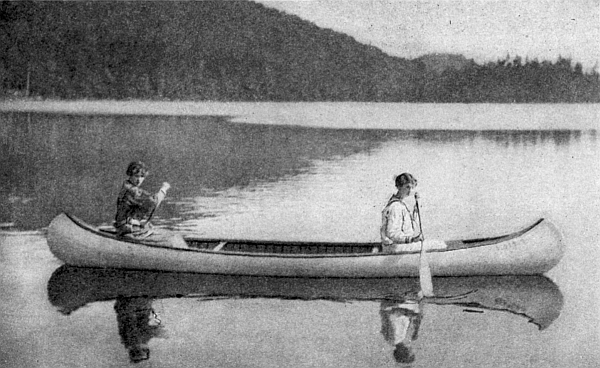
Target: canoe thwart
219, 246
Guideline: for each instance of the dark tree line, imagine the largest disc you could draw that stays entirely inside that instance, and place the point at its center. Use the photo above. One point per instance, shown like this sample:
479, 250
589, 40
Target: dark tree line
240, 51
511, 80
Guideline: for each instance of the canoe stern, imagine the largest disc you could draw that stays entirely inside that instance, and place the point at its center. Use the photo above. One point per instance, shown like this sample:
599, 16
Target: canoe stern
535, 252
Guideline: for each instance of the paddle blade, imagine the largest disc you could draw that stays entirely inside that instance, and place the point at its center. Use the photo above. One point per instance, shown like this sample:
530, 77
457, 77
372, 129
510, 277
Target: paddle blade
425, 279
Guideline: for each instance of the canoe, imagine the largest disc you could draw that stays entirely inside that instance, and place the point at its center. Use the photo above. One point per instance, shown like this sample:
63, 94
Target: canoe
531, 251
536, 298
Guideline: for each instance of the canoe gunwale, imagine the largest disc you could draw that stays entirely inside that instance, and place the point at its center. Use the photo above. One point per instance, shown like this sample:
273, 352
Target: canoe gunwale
466, 244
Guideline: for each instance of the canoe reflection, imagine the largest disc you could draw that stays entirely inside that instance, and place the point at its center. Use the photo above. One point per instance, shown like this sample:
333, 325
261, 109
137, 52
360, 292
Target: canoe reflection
536, 298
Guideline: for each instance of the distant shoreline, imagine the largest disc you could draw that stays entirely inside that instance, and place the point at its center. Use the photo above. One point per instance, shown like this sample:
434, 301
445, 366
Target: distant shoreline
333, 115
116, 107
188, 107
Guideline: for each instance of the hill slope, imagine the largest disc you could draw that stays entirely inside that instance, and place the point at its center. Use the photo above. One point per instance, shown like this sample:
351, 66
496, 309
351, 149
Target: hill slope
243, 51
235, 50
438, 63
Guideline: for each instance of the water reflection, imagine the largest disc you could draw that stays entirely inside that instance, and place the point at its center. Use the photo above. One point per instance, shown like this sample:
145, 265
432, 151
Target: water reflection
56, 163
400, 322
72, 163
503, 138
137, 323
532, 137
536, 298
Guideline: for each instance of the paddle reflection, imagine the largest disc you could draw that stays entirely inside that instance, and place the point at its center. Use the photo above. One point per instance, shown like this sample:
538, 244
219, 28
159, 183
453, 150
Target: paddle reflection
536, 298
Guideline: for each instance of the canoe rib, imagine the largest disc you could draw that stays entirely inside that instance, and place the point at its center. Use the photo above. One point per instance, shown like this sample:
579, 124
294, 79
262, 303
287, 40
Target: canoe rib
533, 250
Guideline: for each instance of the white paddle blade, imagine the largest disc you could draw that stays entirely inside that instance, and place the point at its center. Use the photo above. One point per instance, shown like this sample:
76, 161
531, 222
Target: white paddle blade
425, 279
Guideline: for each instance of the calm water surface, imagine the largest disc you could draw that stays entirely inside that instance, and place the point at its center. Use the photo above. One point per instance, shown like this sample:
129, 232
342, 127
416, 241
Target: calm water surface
480, 173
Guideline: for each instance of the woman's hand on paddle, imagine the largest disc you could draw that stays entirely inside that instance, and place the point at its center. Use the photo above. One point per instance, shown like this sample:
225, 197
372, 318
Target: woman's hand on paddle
416, 208
165, 186
417, 238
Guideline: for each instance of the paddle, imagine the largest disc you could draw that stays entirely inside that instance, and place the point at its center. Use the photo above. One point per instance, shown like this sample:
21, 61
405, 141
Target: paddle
151, 214
164, 189
424, 271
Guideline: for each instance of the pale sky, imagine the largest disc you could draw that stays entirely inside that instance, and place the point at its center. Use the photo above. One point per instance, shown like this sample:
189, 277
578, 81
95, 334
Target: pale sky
480, 29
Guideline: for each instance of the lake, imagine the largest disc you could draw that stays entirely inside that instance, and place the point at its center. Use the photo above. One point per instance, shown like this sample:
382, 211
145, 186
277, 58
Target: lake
297, 171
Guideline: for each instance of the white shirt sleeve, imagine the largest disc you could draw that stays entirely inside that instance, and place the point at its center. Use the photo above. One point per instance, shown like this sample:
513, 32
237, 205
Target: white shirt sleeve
397, 225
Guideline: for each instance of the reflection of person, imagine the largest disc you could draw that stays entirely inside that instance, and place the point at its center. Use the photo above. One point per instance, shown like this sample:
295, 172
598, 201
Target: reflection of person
135, 206
398, 225
400, 322
137, 325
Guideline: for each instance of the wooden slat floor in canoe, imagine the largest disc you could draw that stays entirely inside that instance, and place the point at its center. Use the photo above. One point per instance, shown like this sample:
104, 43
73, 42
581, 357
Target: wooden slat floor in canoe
296, 247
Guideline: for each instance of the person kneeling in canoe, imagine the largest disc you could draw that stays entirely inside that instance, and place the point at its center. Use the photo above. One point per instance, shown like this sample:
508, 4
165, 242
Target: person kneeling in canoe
399, 228
135, 206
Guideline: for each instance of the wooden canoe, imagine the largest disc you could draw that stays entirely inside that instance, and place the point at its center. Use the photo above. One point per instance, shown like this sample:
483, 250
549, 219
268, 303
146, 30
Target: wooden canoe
536, 298
531, 251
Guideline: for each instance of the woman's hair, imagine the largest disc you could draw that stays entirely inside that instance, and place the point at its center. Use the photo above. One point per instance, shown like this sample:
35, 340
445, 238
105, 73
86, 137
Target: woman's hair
405, 178
137, 167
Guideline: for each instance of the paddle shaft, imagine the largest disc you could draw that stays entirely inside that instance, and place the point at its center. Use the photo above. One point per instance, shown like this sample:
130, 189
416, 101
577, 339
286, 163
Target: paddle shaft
419, 216
158, 204
152, 213
425, 279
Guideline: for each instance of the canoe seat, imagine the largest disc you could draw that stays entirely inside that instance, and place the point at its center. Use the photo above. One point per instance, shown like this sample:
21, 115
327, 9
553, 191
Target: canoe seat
219, 246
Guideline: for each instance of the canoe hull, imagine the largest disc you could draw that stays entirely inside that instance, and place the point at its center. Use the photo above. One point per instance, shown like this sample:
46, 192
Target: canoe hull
533, 252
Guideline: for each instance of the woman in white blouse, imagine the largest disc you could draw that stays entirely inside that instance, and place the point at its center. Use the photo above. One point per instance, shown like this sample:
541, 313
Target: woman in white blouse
398, 225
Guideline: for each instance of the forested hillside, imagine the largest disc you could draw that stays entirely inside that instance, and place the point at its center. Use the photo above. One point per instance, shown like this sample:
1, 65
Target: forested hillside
239, 51
512, 80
